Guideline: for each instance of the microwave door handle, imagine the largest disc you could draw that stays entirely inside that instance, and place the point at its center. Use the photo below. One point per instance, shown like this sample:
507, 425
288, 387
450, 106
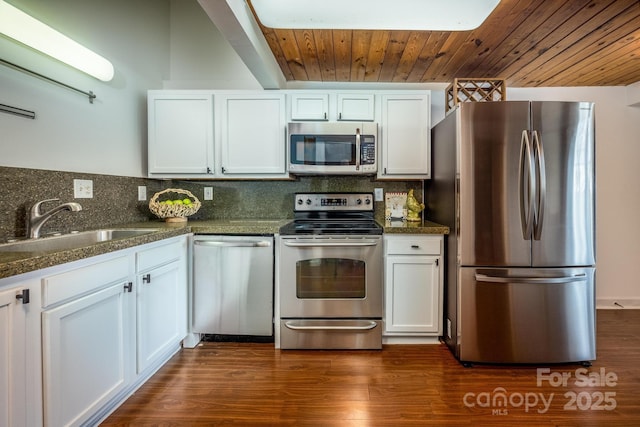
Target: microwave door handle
358, 149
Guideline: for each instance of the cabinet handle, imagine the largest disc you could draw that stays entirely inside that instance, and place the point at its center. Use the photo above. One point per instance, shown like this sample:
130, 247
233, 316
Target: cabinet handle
339, 116
128, 286
24, 296
222, 169
325, 115
146, 278
208, 169
415, 246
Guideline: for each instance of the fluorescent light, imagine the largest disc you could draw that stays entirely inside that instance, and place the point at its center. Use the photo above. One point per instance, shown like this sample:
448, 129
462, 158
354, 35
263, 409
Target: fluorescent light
432, 15
25, 29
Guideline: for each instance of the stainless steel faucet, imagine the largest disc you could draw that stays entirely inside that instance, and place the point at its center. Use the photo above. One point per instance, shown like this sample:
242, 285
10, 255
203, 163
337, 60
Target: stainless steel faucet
37, 219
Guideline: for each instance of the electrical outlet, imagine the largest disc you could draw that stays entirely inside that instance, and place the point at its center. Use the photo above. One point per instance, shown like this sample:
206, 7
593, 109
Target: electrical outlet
142, 193
379, 194
208, 193
83, 189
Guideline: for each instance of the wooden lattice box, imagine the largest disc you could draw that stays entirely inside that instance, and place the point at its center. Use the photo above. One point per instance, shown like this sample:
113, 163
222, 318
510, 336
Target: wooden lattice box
475, 90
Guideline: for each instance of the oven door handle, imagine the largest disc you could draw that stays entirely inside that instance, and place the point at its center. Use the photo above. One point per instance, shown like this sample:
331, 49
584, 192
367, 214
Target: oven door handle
331, 244
357, 325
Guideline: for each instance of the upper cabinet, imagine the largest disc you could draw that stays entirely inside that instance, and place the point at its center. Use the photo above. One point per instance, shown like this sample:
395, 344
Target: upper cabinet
356, 106
216, 134
180, 133
242, 134
252, 135
309, 106
331, 106
405, 135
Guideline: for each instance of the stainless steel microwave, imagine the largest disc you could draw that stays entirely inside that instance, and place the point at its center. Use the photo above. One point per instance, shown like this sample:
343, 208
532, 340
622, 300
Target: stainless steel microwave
339, 148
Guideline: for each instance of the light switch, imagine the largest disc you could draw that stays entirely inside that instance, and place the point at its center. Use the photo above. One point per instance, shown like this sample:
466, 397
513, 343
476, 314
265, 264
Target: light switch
142, 193
83, 189
208, 193
379, 194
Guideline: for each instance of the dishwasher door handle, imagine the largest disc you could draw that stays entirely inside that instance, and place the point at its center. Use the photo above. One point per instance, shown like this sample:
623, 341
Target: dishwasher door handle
238, 244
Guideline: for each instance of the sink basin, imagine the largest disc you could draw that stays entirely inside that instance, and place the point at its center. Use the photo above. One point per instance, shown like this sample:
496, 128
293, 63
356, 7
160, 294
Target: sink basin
73, 240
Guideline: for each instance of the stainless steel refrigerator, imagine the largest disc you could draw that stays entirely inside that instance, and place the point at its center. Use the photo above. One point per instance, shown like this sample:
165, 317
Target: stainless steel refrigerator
515, 182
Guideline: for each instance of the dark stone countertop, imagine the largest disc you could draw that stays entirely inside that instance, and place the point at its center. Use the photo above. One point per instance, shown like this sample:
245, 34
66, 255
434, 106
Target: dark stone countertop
414, 227
15, 263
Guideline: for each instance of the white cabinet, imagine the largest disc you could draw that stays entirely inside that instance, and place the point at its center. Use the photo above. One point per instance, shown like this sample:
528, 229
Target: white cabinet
14, 404
332, 106
252, 141
216, 134
405, 136
413, 285
108, 322
355, 106
180, 132
87, 340
309, 106
161, 301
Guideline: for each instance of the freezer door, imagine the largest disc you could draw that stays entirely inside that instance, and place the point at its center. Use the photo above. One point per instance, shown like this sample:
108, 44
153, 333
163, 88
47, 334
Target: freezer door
562, 134
527, 315
490, 198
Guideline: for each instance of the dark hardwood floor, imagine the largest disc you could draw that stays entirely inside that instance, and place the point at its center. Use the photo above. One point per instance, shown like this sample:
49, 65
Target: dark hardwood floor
402, 385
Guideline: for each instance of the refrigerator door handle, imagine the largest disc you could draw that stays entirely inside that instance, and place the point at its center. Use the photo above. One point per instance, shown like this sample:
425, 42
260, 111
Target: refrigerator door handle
527, 186
541, 186
546, 280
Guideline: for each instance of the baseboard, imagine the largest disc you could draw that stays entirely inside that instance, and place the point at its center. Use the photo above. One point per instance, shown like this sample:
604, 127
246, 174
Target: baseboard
391, 340
617, 303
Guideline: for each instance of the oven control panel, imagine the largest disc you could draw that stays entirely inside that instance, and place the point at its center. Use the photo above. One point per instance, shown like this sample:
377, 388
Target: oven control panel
311, 202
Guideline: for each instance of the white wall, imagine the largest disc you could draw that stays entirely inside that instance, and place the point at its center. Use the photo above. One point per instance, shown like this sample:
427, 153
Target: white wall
69, 133
200, 57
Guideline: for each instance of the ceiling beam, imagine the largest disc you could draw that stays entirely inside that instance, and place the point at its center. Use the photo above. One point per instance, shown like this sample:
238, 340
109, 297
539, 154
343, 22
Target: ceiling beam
234, 20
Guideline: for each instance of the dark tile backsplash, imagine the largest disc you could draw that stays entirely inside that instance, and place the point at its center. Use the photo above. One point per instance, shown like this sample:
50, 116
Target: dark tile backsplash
115, 198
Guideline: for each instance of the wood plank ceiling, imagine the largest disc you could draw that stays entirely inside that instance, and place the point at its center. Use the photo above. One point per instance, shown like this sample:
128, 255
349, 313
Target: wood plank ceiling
527, 43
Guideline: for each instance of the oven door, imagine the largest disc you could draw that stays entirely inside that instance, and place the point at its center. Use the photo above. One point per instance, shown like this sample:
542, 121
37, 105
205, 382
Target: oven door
331, 277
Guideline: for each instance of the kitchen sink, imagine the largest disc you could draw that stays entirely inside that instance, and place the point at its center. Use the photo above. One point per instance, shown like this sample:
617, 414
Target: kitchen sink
73, 240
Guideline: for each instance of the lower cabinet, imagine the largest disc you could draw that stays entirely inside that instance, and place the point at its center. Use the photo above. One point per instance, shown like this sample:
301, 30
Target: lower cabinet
413, 286
161, 307
87, 354
15, 399
77, 339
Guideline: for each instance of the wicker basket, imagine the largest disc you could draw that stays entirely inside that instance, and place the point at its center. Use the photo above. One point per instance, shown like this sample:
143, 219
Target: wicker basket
174, 212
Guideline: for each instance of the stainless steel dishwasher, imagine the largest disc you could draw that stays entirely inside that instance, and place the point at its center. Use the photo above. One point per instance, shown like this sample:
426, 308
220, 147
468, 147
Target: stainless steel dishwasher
233, 285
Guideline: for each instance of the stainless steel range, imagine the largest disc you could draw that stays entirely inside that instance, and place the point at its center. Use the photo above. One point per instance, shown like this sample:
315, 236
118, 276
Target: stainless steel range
331, 274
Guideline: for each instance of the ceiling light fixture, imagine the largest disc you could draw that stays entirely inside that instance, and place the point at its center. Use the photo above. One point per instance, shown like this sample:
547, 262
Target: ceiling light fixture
27, 30
428, 15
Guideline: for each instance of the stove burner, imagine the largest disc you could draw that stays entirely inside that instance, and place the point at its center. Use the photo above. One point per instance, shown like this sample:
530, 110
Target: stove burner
322, 227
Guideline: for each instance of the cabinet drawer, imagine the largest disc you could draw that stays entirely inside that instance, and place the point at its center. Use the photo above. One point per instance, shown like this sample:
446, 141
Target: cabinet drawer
413, 245
154, 257
79, 281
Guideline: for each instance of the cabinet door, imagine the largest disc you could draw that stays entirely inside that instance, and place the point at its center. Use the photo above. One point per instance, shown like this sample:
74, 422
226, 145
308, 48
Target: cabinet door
253, 135
86, 354
356, 106
161, 312
309, 106
180, 134
406, 136
13, 356
412, 294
